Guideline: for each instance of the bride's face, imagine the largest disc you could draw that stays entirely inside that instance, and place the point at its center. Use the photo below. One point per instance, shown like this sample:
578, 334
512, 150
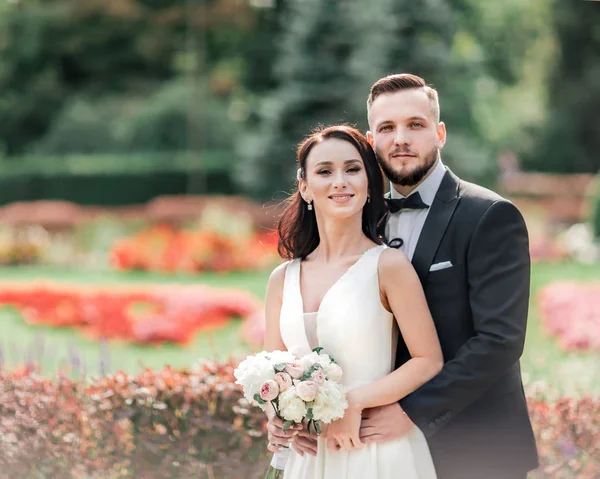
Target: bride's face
336, 179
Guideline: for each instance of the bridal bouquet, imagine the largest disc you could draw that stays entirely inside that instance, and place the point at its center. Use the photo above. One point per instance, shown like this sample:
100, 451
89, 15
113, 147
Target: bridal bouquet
299, 388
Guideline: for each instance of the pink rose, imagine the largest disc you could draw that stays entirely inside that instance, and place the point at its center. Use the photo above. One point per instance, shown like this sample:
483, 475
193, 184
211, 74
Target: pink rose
333, 372
307, 390
284, 381
294, 369
318, 377
269, 390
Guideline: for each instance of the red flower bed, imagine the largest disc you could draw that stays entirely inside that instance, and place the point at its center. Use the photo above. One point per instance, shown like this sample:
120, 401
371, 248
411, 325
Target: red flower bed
180, 424
163, 248
571, 311
140, 314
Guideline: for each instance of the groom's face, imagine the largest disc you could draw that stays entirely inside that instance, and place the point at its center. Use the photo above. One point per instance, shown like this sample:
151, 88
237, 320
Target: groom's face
406, 135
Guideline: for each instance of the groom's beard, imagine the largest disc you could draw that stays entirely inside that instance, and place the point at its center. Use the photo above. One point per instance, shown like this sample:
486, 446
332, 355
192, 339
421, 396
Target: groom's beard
415, 176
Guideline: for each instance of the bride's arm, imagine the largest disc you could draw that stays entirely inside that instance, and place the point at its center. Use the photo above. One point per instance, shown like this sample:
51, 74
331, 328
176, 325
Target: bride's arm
403, 293
273, 300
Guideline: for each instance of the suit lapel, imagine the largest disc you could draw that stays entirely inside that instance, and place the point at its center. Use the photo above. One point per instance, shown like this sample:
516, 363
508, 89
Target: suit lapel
439, 216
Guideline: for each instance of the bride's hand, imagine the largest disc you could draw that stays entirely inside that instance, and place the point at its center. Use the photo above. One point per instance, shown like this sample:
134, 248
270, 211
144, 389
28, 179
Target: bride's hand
345, 431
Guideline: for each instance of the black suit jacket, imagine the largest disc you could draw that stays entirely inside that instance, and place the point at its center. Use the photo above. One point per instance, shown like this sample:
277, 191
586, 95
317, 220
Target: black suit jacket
474, 413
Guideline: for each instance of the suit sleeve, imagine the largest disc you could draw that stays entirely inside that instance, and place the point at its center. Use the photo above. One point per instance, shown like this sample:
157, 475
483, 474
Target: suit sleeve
498, 272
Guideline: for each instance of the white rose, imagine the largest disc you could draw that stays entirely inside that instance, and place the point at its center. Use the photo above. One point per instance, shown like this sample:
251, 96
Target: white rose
291, 407
252, 373
330, 403
307, 390
278, 357
318, 376
284, 380
294, 369
313, 358
334, 372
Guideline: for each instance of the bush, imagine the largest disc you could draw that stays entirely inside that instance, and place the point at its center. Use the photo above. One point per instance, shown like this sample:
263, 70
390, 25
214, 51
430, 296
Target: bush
171, 424
175, 117
164, 424
596, 208
114, 179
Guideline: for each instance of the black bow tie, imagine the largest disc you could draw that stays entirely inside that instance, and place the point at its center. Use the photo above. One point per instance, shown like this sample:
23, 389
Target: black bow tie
412, 202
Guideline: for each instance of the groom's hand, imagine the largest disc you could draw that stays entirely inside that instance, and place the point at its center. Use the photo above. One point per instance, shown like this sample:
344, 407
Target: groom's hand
385, 423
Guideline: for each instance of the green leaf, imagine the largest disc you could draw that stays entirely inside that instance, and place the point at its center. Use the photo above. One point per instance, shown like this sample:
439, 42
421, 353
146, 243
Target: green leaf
318, 350
317, 427
309, 413
287, 425
279, 367
258, 399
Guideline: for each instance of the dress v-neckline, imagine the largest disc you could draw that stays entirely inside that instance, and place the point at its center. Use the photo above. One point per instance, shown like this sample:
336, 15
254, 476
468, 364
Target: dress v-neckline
336, 282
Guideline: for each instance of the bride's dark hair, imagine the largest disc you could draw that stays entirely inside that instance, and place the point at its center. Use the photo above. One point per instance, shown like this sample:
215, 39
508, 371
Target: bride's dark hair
297, 228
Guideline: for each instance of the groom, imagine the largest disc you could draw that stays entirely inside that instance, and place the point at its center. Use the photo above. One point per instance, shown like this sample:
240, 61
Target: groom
470, 249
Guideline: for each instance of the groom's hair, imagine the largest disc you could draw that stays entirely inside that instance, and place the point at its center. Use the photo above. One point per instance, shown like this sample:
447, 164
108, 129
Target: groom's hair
404, 81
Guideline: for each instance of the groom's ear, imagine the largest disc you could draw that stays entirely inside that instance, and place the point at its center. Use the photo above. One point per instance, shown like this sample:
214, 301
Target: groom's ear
441, 135
370, 139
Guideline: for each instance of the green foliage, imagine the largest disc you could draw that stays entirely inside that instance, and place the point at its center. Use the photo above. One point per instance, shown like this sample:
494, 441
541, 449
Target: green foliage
178, 116
313, 89
71, 60
595, 220
569, 141
114, 179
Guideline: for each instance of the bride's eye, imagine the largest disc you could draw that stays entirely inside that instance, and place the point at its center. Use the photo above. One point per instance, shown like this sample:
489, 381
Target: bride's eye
354, 169
323, 172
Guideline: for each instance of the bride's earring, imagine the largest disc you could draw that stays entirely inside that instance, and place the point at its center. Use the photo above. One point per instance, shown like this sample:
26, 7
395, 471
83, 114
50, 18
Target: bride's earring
309, 205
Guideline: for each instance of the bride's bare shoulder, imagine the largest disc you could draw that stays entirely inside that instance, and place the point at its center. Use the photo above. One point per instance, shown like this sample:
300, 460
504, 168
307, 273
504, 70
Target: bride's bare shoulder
277, 277
393, 261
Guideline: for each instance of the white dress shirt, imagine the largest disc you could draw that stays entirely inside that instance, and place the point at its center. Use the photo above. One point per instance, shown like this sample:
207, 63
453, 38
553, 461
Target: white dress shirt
408, 224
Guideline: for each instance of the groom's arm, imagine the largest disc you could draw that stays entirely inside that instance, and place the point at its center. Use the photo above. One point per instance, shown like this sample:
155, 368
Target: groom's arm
498, 271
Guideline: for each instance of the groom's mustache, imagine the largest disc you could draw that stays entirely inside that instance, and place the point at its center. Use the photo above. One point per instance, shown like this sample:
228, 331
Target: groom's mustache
402, 151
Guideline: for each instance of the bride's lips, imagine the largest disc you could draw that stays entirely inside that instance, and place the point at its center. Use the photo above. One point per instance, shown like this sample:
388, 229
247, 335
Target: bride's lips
341, 197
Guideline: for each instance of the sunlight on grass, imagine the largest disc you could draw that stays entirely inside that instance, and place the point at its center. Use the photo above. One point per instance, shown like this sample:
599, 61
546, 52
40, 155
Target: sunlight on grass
574, 373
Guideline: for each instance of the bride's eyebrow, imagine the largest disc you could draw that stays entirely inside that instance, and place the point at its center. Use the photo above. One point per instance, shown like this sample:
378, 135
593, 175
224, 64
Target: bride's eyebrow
329, 163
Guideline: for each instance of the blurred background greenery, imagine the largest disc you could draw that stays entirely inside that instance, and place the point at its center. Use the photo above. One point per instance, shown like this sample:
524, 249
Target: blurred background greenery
207, 96
120, 115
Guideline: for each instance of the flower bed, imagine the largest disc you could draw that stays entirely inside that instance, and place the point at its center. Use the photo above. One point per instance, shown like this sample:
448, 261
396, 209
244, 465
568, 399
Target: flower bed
571, 311
172, 424
166, 249
134, 313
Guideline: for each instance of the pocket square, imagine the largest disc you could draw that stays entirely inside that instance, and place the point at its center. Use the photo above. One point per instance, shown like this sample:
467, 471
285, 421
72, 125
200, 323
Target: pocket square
442, 265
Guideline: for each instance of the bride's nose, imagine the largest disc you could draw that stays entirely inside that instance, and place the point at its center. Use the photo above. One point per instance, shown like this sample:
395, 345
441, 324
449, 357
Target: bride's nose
339, 180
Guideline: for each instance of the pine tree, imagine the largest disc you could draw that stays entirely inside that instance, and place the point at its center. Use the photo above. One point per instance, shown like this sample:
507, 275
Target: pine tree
314, 89
570, 142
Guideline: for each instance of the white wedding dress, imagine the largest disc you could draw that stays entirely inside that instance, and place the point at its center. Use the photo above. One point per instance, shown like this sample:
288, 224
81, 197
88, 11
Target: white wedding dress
352, 326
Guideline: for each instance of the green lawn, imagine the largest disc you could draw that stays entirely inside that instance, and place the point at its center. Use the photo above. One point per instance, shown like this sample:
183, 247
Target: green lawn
571, 373
543, 360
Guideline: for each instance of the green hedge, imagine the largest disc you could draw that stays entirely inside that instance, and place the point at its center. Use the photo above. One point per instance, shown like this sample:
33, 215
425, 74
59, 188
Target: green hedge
596, 208
114, 179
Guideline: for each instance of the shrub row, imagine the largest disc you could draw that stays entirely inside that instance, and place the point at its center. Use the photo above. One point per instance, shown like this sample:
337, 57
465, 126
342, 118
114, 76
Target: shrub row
171, 424
114, 179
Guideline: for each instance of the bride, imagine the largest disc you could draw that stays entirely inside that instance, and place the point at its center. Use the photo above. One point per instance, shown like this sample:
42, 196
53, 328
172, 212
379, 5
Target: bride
346, 292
